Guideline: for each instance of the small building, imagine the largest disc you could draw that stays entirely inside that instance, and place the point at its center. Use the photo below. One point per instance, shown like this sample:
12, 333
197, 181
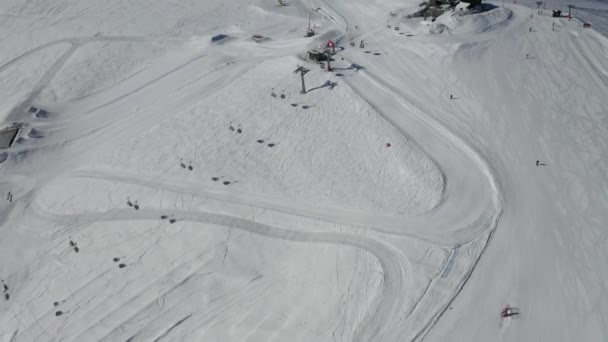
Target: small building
557, 13
317, 56
7, 137
586, 25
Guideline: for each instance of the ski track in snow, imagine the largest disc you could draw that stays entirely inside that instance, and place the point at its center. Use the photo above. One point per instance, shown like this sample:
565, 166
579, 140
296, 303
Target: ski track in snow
384, 323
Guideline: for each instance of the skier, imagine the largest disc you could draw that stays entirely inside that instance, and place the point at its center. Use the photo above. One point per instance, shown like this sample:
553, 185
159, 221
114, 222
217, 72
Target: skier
361, 45
451, 97
530, 29
508, 311
4, 286
537, 162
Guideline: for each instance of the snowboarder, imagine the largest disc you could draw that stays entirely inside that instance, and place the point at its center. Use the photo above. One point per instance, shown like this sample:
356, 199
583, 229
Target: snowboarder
129, 202
4, 286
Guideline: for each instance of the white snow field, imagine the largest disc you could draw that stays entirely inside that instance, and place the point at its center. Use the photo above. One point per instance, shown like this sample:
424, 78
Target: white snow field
168, 187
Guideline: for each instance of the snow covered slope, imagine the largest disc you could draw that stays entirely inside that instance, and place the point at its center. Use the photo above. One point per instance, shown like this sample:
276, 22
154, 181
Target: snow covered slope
179, 189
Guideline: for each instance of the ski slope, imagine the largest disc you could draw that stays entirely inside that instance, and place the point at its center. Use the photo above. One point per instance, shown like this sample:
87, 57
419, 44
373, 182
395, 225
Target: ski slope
398, 199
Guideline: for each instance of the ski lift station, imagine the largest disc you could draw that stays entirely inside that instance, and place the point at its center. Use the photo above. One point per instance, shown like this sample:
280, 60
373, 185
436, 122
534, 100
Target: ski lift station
317, 56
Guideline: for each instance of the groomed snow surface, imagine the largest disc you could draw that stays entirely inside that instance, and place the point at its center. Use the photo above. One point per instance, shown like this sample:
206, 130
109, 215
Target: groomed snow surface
172, 188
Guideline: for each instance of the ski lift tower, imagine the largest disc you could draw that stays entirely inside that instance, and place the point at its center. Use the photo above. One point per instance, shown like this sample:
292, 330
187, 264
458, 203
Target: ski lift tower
302, 70
570, 7
310, 32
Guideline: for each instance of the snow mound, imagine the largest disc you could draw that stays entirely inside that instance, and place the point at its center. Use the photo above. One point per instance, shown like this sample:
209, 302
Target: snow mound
469, 22
321, 148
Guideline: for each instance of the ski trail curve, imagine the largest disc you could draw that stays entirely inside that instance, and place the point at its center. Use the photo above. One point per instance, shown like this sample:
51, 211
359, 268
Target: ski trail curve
389, 301
487, 219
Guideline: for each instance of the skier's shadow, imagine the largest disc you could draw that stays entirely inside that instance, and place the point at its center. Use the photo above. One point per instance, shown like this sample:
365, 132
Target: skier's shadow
327, 84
